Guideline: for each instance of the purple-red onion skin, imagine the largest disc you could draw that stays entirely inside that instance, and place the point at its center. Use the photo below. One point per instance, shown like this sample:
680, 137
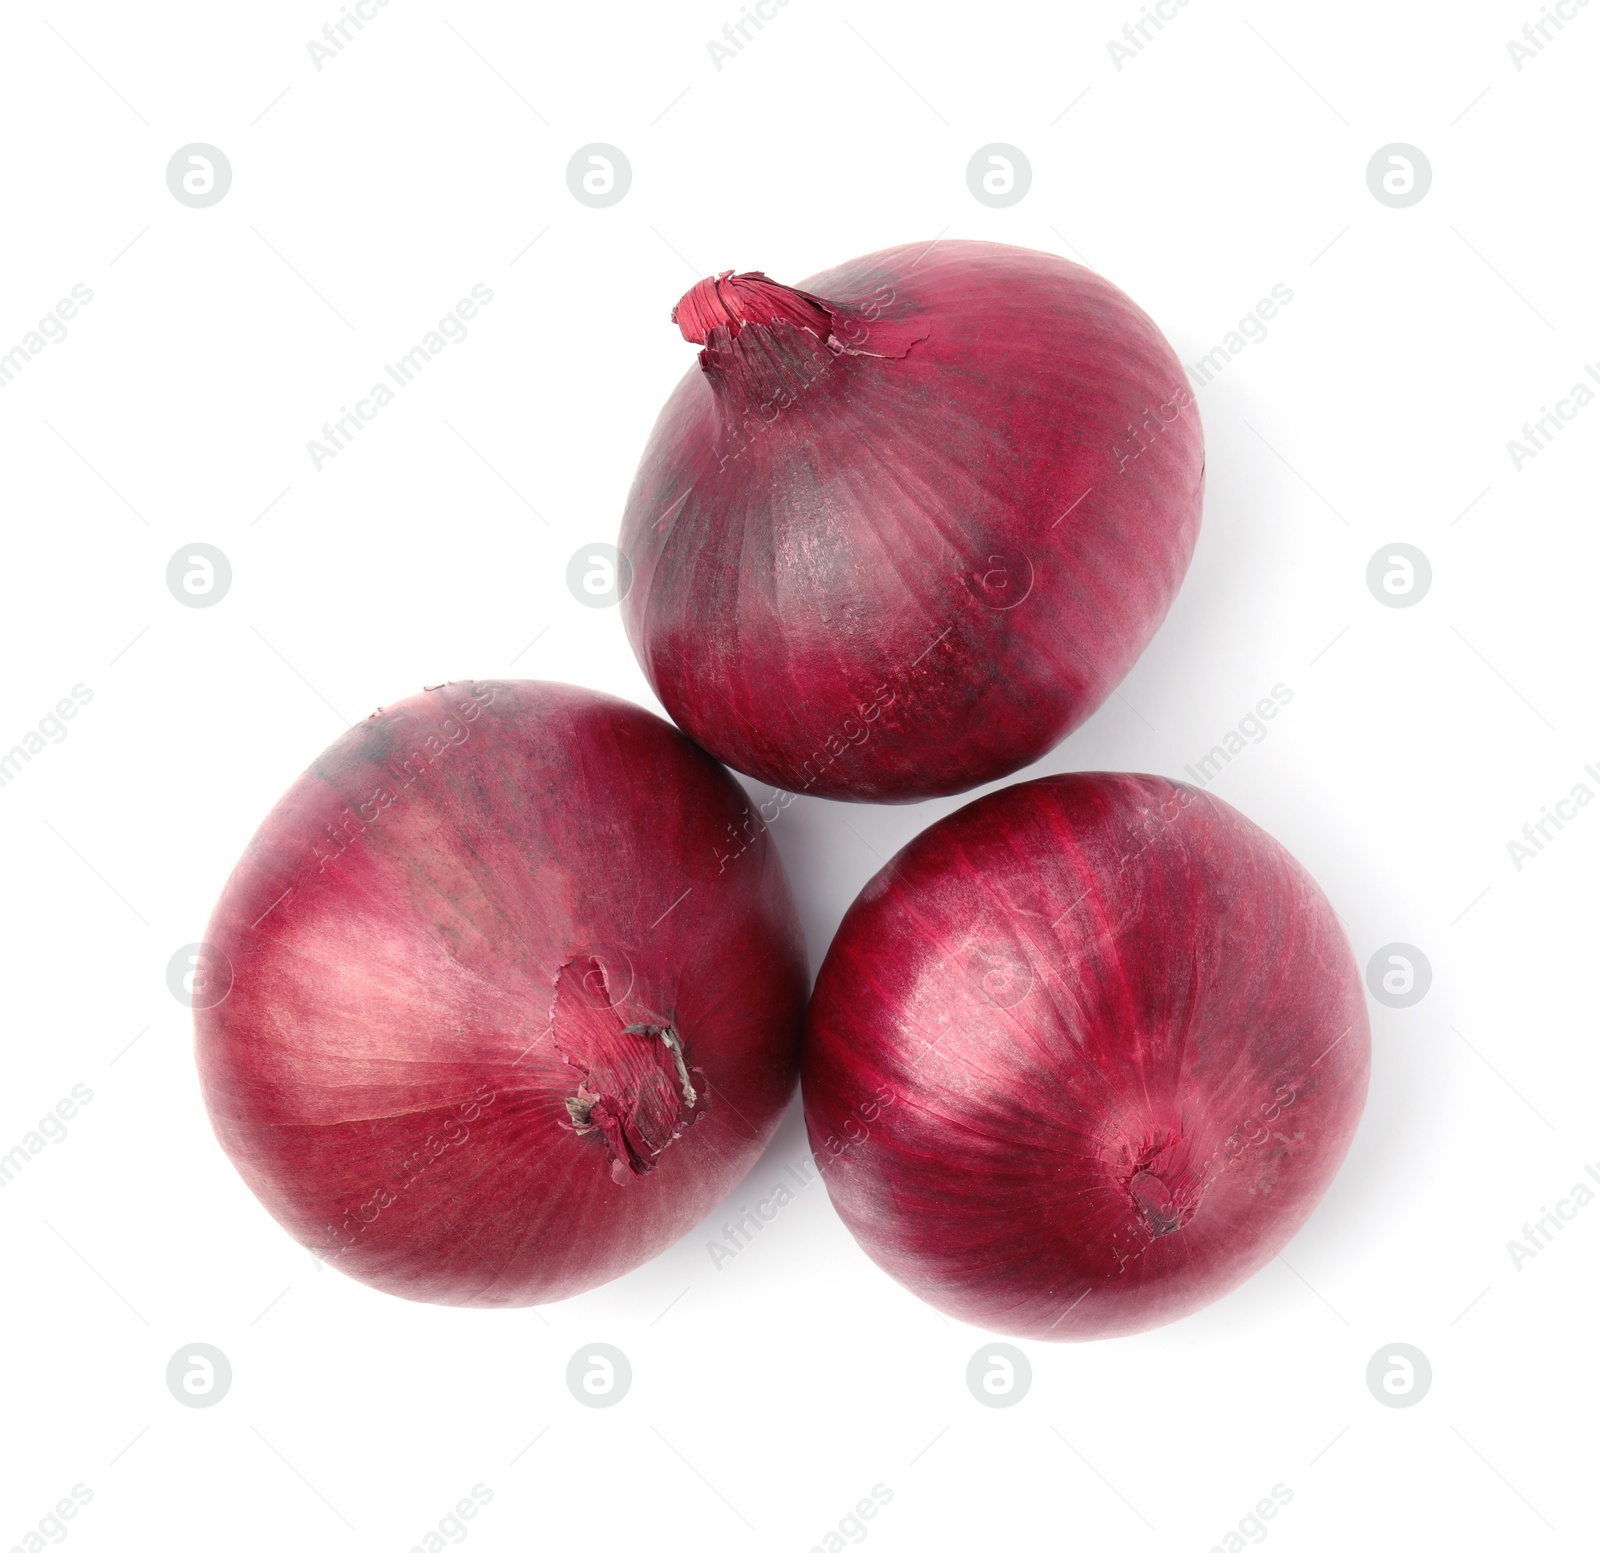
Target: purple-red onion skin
391, 1067
1084, 1056
891, 576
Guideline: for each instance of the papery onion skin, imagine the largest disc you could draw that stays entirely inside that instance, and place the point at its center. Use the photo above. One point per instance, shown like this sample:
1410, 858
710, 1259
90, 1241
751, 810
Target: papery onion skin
1084, 1056
906, 526
455, 947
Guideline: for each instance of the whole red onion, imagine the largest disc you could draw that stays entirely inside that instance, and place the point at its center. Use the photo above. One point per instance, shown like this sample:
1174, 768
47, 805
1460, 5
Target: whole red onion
1084, 1056
508, 1011
903, 529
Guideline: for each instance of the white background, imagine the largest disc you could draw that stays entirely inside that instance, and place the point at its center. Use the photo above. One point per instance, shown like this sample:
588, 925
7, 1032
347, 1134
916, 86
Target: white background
770, 1395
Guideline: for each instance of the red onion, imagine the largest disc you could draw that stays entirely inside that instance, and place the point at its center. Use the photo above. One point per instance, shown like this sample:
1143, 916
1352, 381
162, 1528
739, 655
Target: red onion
508, 1014
1084, 1056
904, 528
